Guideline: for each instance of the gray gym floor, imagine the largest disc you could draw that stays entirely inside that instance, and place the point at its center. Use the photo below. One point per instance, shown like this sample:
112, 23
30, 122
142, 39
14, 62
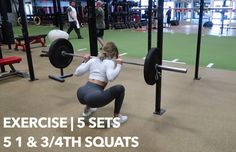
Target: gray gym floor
188, 28
200, 117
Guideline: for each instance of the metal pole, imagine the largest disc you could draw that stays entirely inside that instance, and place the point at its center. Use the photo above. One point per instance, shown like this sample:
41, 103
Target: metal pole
26, 39
125, 17
61, 71
2, 67
55, 13
149, 24
199, 36
59, 14
106, 10
158, 109
3, 11
92, 28
7, 31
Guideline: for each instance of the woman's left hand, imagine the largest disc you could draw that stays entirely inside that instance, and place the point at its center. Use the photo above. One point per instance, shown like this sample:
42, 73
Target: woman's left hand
119, 61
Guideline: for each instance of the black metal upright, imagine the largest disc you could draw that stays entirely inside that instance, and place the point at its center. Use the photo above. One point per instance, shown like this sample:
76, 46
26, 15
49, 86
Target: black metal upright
59, 16
3, 10
158, 109
106, 10
92, 28
1, 56
7, 30
125, 8
55, 13
149, 24
199, 36
26, 39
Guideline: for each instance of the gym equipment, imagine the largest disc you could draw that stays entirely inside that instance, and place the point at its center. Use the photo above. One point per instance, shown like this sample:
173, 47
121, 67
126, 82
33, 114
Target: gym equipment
36, 20
122, 16
55, 53
33, 39
7, 32
174, 22
10, 61
61, 55
208, 24
56, 34
150, 63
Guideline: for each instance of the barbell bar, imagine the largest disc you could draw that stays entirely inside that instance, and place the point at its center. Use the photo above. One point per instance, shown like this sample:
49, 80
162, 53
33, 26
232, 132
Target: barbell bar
61, 54
162, 67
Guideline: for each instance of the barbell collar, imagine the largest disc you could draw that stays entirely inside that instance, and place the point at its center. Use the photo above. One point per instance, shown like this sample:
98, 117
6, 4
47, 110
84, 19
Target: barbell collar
173, 69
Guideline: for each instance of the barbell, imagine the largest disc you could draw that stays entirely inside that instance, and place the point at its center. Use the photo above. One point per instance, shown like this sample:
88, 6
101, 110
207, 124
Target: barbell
61, 54
180, 70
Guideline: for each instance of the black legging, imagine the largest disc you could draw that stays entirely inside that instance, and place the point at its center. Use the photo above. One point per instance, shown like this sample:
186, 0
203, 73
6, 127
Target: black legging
168, 20
94, 96
74, 26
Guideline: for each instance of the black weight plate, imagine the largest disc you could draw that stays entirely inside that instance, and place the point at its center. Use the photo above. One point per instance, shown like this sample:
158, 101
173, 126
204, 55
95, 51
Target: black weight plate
149, 71
55, 53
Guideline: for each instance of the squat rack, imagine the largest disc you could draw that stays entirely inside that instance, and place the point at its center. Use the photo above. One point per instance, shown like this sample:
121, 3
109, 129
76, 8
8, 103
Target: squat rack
94, 51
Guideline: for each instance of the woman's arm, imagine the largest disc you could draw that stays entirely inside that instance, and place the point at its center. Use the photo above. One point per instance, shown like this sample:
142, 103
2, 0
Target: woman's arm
113, 71
83, 68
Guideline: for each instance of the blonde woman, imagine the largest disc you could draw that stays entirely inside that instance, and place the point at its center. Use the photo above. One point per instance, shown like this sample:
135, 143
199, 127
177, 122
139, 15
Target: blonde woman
102, 69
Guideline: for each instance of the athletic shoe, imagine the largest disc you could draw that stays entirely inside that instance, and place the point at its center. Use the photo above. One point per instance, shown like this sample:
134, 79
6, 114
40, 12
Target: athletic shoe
80, 37
89, 112
122, 119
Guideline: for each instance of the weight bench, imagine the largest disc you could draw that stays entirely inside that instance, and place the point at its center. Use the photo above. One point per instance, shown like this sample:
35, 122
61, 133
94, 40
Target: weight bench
33, 39
10, 61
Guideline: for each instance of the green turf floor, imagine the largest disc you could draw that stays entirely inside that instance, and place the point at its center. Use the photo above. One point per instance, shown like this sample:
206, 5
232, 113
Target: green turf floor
221, 51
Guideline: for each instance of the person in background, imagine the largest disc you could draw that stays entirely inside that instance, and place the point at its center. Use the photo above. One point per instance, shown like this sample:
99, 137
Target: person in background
168, 15
100, 23
73, 21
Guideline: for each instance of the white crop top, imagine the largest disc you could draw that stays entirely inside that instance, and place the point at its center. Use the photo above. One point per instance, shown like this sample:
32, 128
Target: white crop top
106, 70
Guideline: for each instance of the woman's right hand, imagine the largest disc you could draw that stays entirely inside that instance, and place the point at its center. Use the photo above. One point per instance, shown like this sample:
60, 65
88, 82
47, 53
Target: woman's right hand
86, 57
